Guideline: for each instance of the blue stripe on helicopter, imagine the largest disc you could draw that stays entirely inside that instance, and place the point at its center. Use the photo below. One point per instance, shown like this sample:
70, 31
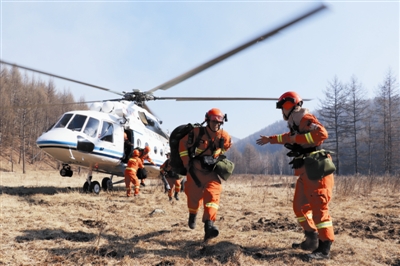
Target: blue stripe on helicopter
72, 146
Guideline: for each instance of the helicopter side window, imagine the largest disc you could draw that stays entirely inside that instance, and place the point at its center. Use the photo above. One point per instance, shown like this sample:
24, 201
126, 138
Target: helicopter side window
77, 122
107, 131
152, 124
63, 121
143, 118
91, 127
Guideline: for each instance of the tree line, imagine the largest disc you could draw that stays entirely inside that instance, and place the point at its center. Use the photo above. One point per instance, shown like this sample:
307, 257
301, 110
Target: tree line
28, 107
364, 134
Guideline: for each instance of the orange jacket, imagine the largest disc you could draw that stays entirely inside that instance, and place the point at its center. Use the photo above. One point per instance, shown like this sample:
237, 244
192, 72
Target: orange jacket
209, 143
305, 128
134, 164
146, 157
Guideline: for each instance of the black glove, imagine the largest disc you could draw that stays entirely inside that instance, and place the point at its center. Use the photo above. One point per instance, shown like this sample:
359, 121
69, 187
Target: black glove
297, 163
295, 149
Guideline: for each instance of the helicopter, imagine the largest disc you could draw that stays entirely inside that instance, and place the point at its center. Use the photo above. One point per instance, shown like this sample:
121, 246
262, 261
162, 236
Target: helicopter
94, 138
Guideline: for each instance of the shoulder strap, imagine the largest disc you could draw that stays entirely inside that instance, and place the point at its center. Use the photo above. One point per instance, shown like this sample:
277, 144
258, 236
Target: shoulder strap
196, 143
201, 134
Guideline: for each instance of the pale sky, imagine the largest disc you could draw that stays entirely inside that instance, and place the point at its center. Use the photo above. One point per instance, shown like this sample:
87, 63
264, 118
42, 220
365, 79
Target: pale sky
125, 45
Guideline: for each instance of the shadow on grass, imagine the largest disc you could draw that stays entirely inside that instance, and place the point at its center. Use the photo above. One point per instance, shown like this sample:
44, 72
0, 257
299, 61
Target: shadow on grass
118, 247
49, 190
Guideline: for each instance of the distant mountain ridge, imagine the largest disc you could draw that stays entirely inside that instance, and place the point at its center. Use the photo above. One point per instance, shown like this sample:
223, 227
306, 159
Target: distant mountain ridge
273, 129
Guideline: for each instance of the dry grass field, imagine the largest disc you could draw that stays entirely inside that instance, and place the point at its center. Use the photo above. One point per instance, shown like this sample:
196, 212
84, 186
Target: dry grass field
47, 220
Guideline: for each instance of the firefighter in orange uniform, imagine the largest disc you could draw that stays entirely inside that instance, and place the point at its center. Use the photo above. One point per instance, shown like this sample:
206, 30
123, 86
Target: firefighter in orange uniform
199, 150
311, 197
134, 163
145, 156
173, 179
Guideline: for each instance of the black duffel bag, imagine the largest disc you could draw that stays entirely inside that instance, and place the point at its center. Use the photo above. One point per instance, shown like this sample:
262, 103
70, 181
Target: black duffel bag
141, 173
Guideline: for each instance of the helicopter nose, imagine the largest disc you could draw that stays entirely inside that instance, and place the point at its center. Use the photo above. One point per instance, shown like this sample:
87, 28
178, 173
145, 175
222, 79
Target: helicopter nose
57, 138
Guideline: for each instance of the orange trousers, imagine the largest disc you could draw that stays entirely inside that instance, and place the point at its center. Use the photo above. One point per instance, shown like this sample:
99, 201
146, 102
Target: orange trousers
130, 177
310, 204
174, 184
207, 195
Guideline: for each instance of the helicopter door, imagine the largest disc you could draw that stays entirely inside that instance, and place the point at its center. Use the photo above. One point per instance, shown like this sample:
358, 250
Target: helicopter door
128, 145
111, 140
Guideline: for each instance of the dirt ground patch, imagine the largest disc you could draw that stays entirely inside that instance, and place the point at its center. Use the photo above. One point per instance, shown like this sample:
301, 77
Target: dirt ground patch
48, 220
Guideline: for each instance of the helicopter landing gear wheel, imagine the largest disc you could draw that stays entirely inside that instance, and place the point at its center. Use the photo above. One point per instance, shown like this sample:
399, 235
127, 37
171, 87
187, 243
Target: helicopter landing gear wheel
95, 187
107, 184
86, 187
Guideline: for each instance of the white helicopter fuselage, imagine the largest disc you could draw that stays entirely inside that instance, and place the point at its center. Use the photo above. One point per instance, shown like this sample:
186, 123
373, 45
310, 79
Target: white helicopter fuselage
95, 138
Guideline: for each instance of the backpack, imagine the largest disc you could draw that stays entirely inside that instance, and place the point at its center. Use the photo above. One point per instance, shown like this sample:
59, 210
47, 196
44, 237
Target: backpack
177, 134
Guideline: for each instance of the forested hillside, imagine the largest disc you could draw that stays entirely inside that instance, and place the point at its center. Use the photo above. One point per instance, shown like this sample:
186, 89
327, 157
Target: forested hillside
28, 107
364, 134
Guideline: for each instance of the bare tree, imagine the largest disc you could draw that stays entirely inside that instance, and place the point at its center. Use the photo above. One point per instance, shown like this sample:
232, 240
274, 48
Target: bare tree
236, 157
355, 110
250, 156
332, 112
388, 112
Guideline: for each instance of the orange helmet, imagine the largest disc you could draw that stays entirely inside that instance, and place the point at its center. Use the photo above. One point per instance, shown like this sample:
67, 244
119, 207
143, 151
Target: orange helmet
288, 100
215, 114
135, 153
147, 149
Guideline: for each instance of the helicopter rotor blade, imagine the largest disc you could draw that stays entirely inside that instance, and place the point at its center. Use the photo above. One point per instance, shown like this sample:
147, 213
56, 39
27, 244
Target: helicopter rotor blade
218, 59
60, 77
220, 99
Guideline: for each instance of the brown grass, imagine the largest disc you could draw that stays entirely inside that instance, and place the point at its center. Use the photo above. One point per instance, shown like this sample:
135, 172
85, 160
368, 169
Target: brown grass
47, 220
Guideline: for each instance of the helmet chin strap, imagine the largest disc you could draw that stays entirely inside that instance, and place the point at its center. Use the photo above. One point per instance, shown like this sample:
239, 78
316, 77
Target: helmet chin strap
286, 117
208, 125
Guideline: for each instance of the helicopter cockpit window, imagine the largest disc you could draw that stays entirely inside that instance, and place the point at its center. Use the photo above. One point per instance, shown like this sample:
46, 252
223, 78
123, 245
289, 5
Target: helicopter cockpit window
91, 127
77, 122
63, 121
107, 131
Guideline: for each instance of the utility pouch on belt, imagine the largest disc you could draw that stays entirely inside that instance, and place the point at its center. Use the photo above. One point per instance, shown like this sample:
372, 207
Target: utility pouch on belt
224, 168
318, 165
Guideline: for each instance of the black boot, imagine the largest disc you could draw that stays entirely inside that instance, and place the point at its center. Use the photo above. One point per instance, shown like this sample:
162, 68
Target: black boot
192, 220
176, 196
210, 230
310, 243
322, 252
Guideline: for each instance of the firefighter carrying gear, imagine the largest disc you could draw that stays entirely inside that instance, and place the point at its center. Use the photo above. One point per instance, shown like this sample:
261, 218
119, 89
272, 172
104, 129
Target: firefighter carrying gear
203, 186
134, 163
311, 197
173, 179
144, 156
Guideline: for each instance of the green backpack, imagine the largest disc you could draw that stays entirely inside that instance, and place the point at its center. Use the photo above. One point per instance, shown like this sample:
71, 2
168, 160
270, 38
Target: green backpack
318, 165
